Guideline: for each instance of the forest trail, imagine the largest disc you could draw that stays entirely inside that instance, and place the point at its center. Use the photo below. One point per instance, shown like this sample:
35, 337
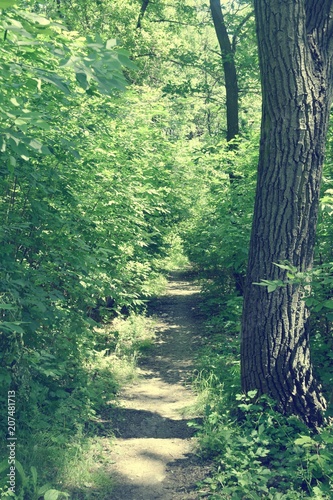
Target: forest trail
153, 455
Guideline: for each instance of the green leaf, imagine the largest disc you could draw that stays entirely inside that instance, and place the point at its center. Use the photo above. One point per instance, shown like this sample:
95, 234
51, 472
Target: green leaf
11, 164
7, 306
40, 21
287, 267
123, 57
111, 43
43, 489
11, 326
304, 441
54, 495
22, 474
35, 144
4, 465
82, 79
260, 284
5, 4
18, 147
14, 101
271, 285
34, 475
54, 80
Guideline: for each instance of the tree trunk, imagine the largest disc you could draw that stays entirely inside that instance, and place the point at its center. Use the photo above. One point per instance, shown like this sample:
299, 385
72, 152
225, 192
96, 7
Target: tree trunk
143, 9
229, 67
296, 70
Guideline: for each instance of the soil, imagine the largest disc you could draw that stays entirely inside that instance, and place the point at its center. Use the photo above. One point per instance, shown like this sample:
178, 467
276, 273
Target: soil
154, 452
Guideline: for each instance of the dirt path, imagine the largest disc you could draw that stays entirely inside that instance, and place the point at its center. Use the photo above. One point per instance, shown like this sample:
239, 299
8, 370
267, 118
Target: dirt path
153, 454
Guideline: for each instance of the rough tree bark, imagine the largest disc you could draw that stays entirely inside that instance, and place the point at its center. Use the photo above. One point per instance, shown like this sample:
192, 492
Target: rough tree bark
229, 67
295, 51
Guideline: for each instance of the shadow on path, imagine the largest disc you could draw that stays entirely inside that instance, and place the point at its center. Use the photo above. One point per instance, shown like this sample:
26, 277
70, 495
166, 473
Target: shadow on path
153, 454
130, 423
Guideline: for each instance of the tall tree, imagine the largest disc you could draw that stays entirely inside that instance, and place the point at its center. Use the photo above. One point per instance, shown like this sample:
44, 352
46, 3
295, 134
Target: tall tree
229, 67
295, 51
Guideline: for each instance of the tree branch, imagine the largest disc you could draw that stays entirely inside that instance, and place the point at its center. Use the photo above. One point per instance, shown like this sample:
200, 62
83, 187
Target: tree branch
239, 29
171, 21
143, 9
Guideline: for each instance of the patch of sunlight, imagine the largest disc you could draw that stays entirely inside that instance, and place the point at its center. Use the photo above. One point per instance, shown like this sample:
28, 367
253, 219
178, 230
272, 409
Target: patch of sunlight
147, 458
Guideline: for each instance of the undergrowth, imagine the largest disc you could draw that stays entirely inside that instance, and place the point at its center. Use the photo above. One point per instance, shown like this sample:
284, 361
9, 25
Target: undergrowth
258, 452
60, 452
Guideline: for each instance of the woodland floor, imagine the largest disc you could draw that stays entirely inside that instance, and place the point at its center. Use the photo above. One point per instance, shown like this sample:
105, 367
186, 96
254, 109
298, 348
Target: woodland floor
153, 456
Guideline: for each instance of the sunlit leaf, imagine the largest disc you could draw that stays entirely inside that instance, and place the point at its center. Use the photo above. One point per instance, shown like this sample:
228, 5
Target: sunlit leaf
5, 4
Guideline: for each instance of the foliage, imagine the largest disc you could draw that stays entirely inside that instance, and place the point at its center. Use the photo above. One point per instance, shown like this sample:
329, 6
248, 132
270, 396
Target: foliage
88, 182
216, 237
268, 455
63, 441
128, 337
257, 452
175, 258
110, 170
29, 487
84, 204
